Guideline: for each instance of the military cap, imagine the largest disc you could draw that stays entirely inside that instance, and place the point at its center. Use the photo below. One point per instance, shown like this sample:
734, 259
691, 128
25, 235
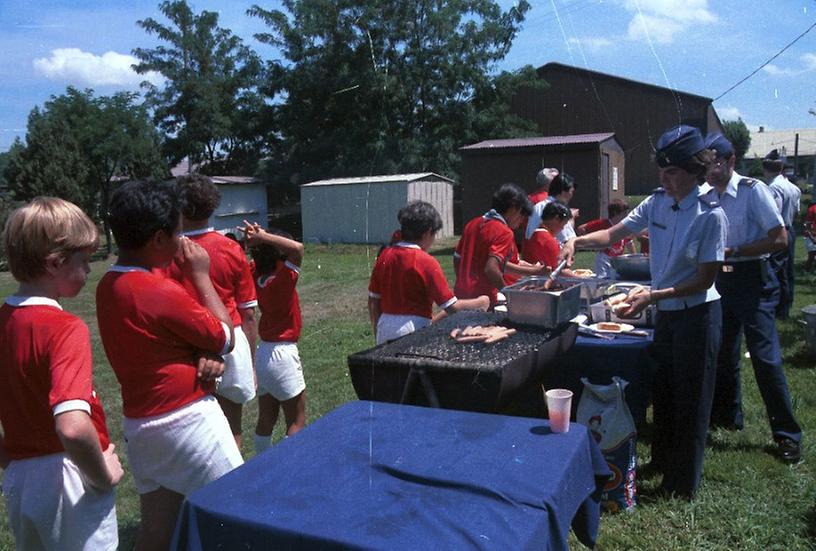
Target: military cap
678, 144
719, 144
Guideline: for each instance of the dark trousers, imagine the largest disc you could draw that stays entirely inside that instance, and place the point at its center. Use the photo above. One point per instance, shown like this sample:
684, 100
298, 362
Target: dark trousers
782, 263
749, 297
685, 347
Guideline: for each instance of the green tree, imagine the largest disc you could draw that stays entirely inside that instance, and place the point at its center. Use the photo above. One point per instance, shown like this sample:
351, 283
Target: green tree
208, 107
77, 145
377, 87
739, 136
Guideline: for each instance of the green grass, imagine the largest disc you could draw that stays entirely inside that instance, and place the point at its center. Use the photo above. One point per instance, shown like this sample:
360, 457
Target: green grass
748, 500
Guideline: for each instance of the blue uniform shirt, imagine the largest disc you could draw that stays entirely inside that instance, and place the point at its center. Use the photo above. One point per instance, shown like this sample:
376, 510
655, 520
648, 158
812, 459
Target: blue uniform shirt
679, 240
787, 195
751, 212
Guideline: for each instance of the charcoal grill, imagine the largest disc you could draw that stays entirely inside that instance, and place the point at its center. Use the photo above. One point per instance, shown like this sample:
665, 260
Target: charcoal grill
429, 368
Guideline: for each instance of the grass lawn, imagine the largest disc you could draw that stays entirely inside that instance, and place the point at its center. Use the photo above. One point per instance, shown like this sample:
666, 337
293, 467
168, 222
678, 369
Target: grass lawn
748, 500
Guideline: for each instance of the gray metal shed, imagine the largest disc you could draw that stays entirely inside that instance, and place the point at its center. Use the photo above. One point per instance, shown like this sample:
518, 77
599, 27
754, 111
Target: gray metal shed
364, 210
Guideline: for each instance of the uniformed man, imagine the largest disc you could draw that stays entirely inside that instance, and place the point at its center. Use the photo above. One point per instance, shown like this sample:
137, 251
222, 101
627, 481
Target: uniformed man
787, 196
687, 247
750, 293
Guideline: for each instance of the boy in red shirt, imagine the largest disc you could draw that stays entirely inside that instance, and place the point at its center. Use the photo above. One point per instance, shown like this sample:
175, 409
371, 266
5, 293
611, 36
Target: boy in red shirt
232, 279
164, 348
486, 258
60, 467
617, 210
406, 281
543, 247
280, 374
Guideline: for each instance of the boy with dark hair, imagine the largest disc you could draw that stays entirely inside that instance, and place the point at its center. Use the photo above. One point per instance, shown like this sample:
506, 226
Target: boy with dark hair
280, 374
406, 281
232, 279
163, 347
60, 467
617, 211
486, 257
543, 247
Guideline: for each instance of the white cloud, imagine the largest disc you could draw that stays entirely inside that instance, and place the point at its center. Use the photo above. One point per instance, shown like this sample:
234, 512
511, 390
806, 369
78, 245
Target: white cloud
591, 43
86, 69
662, 20
808, 64
729, 113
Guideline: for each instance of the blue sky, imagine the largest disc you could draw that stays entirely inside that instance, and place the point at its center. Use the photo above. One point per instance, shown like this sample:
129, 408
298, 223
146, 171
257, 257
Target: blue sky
697, 46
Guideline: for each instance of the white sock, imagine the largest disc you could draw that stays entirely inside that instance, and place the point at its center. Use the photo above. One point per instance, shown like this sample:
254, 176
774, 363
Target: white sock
261, 442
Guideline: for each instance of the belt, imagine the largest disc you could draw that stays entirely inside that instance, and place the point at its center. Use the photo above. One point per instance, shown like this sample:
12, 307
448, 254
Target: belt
737, 267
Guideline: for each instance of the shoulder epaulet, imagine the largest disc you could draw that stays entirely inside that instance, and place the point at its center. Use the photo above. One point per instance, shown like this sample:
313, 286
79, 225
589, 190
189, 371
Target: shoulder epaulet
750, 182
658, 190
710, 203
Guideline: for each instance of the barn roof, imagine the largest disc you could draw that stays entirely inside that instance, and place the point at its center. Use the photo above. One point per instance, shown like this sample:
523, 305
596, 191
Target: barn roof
541, 141
381, 179
784, 141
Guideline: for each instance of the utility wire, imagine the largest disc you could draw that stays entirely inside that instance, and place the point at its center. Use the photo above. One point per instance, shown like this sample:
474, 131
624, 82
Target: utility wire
777, 54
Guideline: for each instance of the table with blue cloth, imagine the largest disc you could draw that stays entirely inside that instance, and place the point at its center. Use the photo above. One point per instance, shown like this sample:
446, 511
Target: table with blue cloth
375, 475
599, 360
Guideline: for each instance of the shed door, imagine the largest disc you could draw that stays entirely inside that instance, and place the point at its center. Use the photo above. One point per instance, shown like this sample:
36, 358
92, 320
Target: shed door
604, 184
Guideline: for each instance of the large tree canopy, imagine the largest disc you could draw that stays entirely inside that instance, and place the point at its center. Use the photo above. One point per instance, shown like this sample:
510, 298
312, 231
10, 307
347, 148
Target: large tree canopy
208, 107
378, 87
77, 144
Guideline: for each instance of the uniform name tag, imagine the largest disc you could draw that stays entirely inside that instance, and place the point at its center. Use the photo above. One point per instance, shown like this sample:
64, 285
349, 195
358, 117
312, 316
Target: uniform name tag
661, 226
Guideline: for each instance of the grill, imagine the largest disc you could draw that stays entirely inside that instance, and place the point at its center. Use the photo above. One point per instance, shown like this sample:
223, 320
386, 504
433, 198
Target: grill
428, 368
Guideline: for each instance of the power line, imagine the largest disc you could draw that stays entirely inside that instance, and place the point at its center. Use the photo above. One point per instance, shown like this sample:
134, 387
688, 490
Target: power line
777, 54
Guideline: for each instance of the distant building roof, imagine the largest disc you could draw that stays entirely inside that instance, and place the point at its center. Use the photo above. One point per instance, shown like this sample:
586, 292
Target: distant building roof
560, 66
541, 140
183, 168
783, 140
382, 179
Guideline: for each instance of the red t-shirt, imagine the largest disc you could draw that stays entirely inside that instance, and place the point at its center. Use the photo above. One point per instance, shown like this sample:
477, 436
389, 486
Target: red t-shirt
615, 249
152, 331
45, 369
229, 271
542, 247
279, 304
408, 281
810, 218
538, 196
482, 238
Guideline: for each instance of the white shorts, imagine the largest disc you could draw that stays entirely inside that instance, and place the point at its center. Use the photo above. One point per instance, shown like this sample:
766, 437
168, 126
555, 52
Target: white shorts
393, 326
181, 450
51, 506
279, 370
237, 384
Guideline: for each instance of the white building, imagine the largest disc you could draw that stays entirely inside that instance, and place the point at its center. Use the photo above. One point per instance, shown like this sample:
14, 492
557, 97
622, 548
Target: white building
364, 210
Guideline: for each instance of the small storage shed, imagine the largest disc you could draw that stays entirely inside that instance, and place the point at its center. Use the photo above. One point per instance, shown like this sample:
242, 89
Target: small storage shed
596, 161
364, 210
242, 198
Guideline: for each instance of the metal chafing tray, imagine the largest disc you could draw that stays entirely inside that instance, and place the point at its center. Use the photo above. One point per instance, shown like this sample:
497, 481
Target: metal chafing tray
529, 303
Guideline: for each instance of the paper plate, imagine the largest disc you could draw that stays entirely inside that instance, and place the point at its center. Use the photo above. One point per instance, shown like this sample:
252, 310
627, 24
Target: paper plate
623, 328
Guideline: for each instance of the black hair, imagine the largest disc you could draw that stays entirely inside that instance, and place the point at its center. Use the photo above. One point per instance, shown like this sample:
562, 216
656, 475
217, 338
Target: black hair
199, 196
509, 196
416, 218
617, 206
267, 256
773, 166
563, 182
698, 164
554, 209
141, 208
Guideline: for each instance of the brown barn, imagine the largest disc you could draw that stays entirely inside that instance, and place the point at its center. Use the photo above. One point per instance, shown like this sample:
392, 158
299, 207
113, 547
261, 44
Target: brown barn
596, 161
581, 101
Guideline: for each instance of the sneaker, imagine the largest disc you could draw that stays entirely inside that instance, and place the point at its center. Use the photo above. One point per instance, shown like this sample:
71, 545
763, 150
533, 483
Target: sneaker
789, 450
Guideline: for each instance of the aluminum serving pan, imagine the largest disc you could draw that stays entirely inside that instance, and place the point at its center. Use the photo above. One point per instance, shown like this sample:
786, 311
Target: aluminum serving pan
528, 302
592, 288
632, 267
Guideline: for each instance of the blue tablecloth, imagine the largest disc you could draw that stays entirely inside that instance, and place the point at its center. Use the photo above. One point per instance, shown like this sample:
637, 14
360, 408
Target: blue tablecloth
600, 360
372, 475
